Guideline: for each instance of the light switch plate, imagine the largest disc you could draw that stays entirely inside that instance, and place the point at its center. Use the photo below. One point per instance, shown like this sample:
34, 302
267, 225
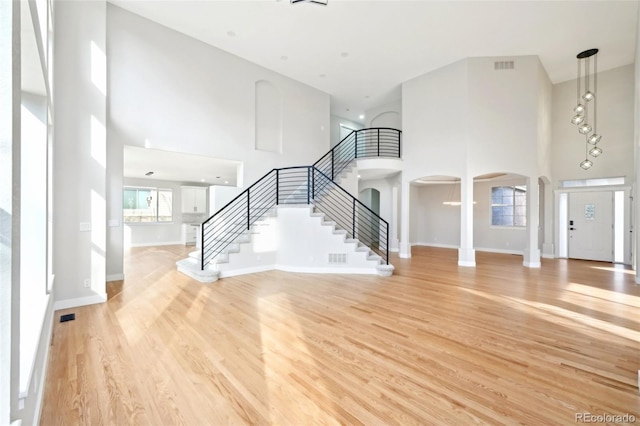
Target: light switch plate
85, 226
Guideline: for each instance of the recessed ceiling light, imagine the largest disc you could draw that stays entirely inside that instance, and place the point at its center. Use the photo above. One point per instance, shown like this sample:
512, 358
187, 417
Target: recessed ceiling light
323, 75
226, 181
284, 58
348, 109
367, 96
361, 116
217, 177
344, 54
231, 33
358, 176
201, 180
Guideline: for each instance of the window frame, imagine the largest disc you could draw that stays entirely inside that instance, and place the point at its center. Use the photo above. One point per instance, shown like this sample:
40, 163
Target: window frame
517, 191
156, 207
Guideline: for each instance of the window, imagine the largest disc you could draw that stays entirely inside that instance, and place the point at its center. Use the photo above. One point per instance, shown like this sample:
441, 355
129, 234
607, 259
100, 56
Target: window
147, 205
592, 182
509, 206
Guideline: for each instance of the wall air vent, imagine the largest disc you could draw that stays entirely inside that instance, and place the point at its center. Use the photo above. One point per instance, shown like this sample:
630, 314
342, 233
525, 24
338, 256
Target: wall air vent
337, 258
503, 65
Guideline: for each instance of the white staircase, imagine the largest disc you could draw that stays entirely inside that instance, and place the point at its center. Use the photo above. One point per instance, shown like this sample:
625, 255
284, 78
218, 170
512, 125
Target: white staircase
294, 238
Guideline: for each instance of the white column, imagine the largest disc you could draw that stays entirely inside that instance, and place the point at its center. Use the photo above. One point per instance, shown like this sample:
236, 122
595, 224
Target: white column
405, 220
548, 247
393, 226
466, 253
531, 251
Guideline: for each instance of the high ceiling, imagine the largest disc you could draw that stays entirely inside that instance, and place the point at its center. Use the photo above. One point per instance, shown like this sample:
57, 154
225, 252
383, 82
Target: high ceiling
360, 51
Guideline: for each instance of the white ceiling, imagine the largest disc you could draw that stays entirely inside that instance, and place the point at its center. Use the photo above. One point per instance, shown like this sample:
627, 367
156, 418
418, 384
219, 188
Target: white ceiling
360, 51
178, 167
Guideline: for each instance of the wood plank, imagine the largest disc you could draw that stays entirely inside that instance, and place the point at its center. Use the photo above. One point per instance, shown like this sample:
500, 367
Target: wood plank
433, 344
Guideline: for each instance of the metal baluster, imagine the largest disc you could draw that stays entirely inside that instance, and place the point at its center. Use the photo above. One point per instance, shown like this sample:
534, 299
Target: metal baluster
356, 145
354, 218
332, 176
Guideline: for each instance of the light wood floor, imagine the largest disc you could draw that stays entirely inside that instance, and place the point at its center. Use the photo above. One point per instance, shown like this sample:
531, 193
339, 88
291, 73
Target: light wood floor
434, 344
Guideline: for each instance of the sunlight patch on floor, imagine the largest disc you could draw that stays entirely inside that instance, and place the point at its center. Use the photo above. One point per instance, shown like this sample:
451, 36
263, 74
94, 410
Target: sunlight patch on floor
561, 316
278, 323
608, 295
616, 269
138, 315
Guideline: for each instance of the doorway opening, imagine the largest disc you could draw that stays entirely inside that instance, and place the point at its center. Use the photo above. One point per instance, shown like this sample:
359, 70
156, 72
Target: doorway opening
592, 225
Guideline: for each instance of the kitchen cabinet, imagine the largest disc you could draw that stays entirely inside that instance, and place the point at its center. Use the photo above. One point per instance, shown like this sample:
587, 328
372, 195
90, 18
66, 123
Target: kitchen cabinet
194, 199
190, 234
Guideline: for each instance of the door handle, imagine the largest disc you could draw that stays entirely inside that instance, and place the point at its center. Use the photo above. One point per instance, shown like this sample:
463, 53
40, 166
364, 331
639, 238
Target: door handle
572, 229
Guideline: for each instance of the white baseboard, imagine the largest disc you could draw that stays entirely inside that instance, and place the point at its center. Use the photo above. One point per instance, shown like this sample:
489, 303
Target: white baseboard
43, 373
80, 301
115, 277
158, 243
451, 246
243, 271
302, 269
501, 251
327, 270
485, 249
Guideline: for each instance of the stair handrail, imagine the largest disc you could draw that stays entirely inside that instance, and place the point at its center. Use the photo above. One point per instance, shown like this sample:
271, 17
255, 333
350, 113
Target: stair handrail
355, 201
344, 161
346, 140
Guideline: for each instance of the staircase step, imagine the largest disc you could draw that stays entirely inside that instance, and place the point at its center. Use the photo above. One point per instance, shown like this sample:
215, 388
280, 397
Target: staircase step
191, 268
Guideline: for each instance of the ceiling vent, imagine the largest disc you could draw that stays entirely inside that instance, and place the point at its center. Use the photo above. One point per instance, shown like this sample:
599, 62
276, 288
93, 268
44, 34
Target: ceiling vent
503, 65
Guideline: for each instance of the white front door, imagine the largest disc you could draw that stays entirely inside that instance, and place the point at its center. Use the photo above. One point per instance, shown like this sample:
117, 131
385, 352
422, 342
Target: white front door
591, 225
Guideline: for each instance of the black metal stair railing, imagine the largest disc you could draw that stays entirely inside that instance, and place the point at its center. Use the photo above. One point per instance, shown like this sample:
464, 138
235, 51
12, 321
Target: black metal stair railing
306, 185
350, 214
365, 143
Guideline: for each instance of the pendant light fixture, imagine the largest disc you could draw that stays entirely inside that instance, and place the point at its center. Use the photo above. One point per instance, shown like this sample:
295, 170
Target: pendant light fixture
586, 111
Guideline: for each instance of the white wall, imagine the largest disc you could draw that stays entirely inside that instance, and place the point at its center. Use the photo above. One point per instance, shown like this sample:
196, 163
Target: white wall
387, 115
495, 238
278, 240
384, 187
336, 121
503, 116
146, 234
169, 91
469, 119
434, 223
437, 224
178, 93
615, 124
80, 153
434, 122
